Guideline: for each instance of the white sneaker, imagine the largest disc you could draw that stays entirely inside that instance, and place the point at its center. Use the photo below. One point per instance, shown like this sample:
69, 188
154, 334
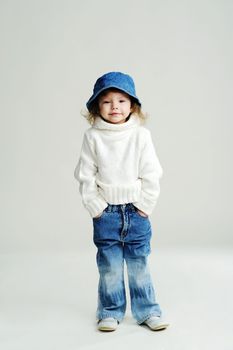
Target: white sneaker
108, 324
155, 323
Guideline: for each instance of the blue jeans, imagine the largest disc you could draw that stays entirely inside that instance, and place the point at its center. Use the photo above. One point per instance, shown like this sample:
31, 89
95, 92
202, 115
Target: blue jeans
122, 234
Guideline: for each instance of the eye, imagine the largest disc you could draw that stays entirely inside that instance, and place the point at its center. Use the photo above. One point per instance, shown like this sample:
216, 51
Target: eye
105, 101
122, 100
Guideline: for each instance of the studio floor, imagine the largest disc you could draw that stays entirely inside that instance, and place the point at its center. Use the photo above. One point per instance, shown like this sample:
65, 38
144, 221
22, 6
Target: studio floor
48, 301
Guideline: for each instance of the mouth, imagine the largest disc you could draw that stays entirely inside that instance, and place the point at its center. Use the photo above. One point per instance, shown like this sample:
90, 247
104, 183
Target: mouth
114, 113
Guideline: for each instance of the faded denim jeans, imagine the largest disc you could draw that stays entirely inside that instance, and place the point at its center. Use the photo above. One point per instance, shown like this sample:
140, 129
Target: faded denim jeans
122, 234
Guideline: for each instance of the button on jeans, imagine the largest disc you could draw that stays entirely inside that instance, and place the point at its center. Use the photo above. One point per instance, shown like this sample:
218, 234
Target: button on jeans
122, 234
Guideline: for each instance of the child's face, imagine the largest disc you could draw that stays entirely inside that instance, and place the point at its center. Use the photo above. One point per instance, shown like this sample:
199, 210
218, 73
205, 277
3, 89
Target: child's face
115, 107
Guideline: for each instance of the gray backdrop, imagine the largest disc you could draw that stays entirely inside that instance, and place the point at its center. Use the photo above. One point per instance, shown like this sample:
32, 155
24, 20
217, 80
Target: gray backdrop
180, 56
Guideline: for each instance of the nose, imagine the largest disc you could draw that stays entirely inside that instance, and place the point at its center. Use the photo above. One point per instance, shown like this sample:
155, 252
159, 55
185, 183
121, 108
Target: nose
114, 105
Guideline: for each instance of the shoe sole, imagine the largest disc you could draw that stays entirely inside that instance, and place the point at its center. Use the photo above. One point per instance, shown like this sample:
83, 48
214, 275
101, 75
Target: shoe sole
106, 329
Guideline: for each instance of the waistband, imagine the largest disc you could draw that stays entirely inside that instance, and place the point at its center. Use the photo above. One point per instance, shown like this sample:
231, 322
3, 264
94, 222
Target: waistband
120, 207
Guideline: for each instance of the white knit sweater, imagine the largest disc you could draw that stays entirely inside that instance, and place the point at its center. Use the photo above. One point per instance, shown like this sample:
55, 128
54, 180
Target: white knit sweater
117, 165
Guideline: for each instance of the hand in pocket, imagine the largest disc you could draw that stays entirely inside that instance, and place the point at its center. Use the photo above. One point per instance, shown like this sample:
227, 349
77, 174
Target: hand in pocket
142, 213
98, 216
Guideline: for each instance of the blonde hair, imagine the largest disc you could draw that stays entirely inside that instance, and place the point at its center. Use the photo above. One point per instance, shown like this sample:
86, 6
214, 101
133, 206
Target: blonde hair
94, 109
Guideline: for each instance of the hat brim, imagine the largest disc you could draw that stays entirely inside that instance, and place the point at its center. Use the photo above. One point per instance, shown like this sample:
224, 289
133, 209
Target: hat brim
94, 96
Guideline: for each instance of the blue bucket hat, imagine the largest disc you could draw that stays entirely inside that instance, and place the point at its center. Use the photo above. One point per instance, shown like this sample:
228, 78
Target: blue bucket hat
116, 80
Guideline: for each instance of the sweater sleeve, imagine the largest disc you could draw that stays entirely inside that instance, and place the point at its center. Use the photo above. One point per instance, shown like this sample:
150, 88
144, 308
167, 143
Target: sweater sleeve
150, 172
85, 173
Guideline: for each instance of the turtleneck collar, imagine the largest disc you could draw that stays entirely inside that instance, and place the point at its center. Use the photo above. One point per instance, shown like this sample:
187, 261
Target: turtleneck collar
100, 123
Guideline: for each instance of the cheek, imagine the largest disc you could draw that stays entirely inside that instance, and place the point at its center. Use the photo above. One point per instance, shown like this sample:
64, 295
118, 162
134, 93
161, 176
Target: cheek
101, 107
129, 107
104, 110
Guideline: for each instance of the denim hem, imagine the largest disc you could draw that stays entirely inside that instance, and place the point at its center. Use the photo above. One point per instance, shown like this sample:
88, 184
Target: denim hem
148, 316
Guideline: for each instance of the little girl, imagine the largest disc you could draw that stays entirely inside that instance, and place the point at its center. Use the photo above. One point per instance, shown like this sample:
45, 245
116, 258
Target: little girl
118, 172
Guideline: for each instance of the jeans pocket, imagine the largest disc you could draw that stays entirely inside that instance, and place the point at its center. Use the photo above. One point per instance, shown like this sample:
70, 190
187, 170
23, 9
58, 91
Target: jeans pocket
143, 217
99, 217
